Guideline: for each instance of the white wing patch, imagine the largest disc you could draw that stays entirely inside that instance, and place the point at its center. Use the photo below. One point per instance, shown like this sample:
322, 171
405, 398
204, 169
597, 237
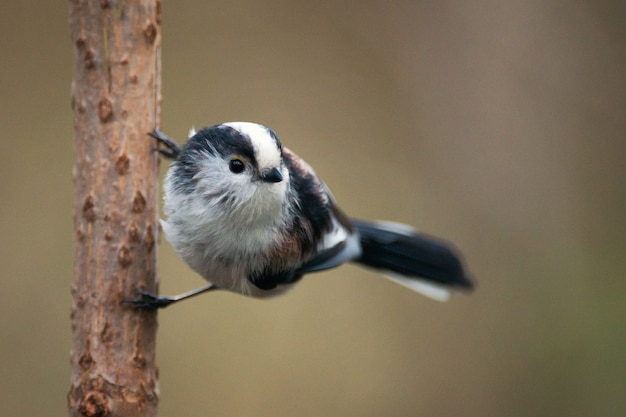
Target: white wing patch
338, 235
334, 237
335, 248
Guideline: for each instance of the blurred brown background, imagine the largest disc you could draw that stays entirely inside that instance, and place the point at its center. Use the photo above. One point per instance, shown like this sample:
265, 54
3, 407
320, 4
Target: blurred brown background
499, 125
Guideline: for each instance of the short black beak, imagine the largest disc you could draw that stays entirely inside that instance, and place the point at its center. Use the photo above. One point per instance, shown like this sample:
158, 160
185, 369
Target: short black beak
273, 175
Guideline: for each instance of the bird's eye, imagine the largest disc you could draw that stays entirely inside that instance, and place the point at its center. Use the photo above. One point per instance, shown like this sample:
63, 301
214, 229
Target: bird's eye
236, 166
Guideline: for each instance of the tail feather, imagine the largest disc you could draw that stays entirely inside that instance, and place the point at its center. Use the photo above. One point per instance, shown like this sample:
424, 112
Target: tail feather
415, 260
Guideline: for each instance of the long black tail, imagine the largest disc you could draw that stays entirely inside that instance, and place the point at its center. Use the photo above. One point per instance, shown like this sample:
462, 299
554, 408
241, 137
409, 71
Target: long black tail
399, 250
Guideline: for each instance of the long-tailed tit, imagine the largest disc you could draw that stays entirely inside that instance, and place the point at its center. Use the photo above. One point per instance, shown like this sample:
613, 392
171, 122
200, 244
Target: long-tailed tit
251, 217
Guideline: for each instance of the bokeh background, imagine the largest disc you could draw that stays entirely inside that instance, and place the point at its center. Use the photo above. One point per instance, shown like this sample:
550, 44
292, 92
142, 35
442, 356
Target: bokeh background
499, 125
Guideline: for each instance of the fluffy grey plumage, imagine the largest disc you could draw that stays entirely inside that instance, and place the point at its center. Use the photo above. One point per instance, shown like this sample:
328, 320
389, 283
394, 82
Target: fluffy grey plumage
251, 217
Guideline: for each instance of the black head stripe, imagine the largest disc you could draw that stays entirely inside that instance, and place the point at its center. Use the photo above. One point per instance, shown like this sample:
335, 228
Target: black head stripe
223, 140
275, 137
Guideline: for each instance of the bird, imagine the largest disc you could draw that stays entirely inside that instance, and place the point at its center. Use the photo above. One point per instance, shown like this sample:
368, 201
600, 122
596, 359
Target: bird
252, 217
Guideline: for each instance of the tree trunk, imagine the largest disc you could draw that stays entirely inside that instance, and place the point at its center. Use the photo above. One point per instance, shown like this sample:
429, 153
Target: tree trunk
115, 98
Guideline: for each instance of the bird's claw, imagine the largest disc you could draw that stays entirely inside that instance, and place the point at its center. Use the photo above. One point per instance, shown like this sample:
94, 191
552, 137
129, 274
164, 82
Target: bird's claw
149, 301
171, 148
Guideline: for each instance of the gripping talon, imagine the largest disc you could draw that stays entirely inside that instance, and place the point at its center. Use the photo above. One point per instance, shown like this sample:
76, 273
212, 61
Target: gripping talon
149, 301
171, 148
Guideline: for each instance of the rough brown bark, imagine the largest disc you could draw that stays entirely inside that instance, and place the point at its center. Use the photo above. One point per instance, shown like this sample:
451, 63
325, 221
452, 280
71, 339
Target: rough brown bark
115, 98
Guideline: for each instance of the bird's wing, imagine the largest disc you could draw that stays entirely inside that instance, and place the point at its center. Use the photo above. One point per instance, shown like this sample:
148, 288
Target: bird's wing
338, 246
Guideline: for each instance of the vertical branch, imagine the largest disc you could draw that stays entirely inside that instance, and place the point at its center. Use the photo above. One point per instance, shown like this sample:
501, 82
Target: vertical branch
115, 98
